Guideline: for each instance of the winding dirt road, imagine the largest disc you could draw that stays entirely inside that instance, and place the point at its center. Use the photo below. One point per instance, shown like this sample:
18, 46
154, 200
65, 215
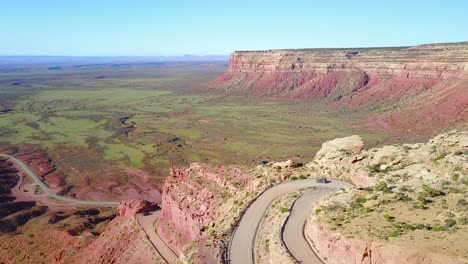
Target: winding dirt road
146, 222
293, 235
242, 245
51, 193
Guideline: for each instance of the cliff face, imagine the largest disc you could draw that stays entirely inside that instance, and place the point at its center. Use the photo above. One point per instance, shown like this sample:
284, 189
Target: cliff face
423, 79
191, 205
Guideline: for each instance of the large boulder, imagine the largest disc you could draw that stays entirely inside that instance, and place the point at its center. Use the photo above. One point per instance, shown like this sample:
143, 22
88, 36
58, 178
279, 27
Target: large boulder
335, 147
132, 207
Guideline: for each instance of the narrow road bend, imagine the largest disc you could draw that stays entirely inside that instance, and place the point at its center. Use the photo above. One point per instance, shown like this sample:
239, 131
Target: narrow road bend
242, 244
293, 235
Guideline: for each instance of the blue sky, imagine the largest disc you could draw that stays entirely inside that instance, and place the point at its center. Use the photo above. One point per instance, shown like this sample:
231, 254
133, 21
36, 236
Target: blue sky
177, 27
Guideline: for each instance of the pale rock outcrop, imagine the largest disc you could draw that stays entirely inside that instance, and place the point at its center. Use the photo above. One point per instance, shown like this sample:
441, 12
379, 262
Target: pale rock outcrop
332, 148
408, 171
342, 158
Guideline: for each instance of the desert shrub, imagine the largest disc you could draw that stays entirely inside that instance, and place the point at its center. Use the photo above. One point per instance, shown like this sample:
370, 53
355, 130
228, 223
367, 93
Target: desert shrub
394, 233
388, 217
432, 192
439, 157
302, 177
284, 210
422, 201
450, 223
455, 177
402, 226
438, 228
382, 186
422, 226
462, 203
357, 203
463, 220
403, 197
375, 168
454, 190
361, 200
318, 210
293, 178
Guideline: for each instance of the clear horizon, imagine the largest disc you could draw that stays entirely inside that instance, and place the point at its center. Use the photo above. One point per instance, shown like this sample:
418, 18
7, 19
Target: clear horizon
149, 29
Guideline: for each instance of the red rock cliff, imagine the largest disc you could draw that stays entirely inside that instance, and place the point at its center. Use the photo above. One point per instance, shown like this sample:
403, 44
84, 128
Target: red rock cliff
191, 200
425, 82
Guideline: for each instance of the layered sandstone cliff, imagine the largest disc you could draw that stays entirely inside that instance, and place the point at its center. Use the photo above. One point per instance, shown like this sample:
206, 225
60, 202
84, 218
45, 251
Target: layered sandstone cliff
427, 83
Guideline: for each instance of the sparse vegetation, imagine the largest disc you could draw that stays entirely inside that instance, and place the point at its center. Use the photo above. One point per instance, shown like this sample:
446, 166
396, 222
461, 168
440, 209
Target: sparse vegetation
382, 186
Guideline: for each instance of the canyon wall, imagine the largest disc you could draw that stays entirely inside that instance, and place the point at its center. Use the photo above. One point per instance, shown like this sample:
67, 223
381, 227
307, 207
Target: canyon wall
426, 83
198, 205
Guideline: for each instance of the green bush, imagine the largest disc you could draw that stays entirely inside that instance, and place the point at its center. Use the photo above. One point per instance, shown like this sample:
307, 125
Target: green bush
394, 233
375, 168
388, 217
422, 201
438, 228
361, 200
382, 186
454, 190
284, 210
432, 192
439, 157
403, 197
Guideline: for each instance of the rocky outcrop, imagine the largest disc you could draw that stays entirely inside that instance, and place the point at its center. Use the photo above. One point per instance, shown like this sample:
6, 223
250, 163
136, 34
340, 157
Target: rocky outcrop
352, 144
194, 203
343, 158
408, 200
129, 208
426, 84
